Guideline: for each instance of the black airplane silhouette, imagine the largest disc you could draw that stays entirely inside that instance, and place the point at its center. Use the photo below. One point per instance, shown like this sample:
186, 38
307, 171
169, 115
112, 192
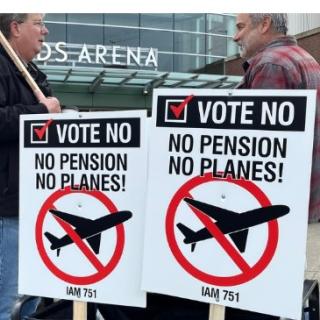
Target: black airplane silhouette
229, 222
86, 228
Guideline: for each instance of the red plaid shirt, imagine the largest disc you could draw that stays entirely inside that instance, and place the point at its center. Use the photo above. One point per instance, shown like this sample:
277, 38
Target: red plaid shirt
282, 64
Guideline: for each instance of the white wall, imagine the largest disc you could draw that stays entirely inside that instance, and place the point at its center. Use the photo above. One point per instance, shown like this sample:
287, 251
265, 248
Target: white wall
300, 22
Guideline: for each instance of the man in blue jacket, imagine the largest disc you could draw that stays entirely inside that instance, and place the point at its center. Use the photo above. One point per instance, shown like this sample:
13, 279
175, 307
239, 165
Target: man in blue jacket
26, 34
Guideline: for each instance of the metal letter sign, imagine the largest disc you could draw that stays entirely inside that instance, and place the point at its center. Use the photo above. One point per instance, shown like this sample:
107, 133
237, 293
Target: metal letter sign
223, 210
82, 189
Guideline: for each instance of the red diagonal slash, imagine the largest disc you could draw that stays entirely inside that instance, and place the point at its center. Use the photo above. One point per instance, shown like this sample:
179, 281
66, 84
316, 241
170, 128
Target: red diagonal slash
222, 239
80, 243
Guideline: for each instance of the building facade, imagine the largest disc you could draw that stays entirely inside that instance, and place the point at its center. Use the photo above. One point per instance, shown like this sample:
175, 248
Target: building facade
302, 22
110, 61
180, 42
114, 61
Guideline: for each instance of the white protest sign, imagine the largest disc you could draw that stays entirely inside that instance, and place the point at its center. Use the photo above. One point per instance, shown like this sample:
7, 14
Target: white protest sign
228, 194
82, 187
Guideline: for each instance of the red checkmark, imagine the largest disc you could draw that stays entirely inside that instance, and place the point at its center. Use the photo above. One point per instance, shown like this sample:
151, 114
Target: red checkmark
177, 110
41, 131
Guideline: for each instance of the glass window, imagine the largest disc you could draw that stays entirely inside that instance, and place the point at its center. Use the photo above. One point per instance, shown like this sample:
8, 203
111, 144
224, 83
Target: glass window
154, 20
161, 40
165, 62
69, 28
121, 37
122, 19
217, 46
189, 43
85, 17
85, 33
232, 47
57, 31
221, 24
189, 22
61, 17
185, 63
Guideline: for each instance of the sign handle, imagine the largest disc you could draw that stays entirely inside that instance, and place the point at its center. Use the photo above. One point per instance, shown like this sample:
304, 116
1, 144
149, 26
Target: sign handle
79, 310
216, 312
16, 60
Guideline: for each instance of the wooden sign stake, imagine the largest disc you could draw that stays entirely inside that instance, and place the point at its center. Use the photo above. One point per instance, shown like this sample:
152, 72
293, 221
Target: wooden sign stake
79, 310
216, 312
21, 67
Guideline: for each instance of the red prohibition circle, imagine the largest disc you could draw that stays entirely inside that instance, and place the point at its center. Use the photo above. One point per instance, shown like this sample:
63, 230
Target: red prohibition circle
106, 269
245, 276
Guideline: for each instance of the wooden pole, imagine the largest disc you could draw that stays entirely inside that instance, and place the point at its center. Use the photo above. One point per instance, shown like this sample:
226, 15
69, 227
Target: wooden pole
216, 312
79, 310
21, 67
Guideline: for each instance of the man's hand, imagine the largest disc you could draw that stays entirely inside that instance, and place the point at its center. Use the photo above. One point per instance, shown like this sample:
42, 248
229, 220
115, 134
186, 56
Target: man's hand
52, 103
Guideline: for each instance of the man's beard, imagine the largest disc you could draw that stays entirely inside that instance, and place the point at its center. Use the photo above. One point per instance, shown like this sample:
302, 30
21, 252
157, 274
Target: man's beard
241, 49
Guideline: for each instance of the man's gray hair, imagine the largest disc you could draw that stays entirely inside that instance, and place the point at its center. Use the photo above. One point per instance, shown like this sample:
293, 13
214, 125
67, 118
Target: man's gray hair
7, 18
279, 21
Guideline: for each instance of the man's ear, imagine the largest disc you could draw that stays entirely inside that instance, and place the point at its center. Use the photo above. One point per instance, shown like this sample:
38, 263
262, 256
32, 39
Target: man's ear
14, 29
266, 24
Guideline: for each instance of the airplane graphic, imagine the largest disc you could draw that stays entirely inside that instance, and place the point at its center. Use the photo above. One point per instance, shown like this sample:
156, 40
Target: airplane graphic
87, 229
234, 224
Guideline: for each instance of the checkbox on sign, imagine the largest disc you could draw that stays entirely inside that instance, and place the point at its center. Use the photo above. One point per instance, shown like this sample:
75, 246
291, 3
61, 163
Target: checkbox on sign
174, 112
38, 133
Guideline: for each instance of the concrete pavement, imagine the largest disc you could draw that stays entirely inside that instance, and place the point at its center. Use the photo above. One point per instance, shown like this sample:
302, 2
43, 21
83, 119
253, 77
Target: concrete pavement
313, 252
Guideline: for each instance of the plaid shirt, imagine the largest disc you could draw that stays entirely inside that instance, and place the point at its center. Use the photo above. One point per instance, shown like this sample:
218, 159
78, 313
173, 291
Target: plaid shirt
282, 64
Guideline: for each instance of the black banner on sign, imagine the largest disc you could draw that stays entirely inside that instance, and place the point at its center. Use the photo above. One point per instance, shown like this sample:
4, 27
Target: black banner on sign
232, 112
82, 133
